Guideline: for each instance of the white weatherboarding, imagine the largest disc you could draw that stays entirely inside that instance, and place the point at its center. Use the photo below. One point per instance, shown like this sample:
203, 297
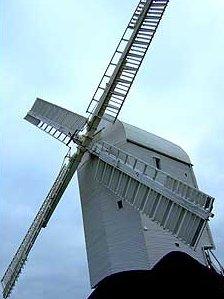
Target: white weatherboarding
141, 200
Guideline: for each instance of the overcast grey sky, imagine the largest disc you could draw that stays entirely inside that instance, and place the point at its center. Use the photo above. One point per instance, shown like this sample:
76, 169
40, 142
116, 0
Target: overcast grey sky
57, 50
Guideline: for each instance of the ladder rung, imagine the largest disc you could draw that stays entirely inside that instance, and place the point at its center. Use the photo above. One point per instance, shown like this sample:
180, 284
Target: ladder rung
64, 138
55, 132
138, 47
153, 17
133, 61
156, 9
114, 97
142, 35
125, 90
155, 12
113, 107
50, 130
137, 51
155, 5
130, 68
154, 23
112, 111
145, 30
140, 43
123, 81
149, 22
116, 102
118, 93
44, 129
41, 125
129, 71
129, 77
146, 38
123, 85
135, 55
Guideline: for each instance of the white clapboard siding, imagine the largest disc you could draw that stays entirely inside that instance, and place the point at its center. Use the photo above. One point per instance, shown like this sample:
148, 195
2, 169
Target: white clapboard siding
114, 237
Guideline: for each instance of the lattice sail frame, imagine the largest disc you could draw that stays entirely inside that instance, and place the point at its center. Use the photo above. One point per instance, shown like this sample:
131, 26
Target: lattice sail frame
58, 122
127, 59
175, 206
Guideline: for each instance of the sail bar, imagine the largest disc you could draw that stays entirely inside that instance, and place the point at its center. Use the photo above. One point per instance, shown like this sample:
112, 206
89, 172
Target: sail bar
114, 86
176, 207
58, 122
40, 221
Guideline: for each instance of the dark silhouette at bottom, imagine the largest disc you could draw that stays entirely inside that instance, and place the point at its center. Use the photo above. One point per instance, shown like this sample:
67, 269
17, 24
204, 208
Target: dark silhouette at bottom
177, 275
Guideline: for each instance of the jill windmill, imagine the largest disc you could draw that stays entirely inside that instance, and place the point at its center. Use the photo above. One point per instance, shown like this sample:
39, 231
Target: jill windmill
142, 199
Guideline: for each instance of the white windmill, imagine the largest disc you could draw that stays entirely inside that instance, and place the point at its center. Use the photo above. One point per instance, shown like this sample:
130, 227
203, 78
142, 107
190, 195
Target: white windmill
141, 200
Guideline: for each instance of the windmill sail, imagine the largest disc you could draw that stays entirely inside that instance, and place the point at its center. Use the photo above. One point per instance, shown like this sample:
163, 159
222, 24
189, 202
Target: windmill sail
40, 221
127, 59
60, 123
174, 205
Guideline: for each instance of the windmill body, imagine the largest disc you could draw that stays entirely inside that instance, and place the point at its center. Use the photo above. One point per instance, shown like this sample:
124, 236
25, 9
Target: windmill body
119, 237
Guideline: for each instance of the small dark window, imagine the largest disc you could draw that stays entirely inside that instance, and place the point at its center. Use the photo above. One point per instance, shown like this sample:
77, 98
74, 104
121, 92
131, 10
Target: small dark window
157, 160
120, 204
185, 174
177, 244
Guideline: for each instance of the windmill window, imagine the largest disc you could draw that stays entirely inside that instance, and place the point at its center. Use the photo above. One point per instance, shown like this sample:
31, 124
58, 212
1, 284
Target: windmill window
157, 162
120, 204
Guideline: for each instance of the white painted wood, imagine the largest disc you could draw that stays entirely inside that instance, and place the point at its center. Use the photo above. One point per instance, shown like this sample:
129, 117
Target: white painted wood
125, 239
114, 237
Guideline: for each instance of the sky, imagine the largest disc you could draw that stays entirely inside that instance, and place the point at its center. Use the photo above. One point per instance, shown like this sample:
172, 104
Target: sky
58, 50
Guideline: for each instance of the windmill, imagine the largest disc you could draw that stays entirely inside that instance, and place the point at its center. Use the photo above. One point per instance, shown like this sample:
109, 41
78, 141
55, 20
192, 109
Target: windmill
111, 155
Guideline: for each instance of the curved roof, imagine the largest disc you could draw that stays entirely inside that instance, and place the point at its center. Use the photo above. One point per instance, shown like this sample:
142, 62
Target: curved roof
155, 143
